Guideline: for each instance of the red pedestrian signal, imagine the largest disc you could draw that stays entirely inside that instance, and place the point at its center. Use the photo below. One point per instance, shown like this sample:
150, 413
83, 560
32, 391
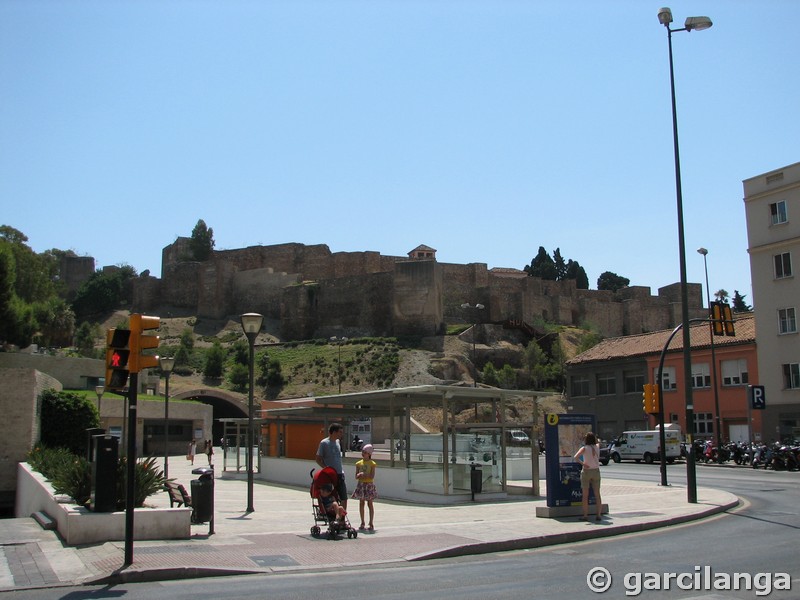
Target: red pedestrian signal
117, 355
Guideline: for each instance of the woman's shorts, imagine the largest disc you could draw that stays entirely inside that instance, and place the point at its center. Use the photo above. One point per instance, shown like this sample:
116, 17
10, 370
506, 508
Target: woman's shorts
590, 476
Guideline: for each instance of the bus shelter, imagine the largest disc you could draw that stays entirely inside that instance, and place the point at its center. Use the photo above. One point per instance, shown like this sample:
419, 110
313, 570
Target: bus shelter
475, 434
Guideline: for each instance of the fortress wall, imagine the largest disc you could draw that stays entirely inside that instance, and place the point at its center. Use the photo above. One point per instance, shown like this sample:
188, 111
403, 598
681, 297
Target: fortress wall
146, 294
299, 311
418, 294
356, 306
352, 264
260, 291
606, 316
74, 271
180, 285
464, 284
215, 299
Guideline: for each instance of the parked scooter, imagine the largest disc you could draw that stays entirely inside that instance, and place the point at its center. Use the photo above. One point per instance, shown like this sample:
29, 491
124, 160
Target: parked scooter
356, 444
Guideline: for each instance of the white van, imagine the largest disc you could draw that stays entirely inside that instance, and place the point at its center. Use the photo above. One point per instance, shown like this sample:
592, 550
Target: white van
644, 445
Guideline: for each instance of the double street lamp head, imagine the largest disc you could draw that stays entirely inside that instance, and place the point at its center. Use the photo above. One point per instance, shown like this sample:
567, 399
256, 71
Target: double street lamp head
691, 23
251, 324
166, 364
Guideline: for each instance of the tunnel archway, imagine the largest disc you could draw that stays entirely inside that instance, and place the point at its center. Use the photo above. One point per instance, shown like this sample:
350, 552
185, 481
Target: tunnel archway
225, 405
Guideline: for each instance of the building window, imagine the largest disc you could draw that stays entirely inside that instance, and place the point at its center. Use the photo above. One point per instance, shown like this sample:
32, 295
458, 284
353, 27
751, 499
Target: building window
791, 376
580, 386
787, 323
777, 211
703, 424
634, 382
606, 384
734, 372
783, 265
669, 381
701, 376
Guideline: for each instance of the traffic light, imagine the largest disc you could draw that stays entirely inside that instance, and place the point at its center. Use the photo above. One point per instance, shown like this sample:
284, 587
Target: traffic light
656, 400
722, 319
728, 318
647, 397
117, 355
141, 341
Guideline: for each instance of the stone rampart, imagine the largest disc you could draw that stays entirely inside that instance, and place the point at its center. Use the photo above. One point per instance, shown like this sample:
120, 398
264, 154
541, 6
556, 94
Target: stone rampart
313, 291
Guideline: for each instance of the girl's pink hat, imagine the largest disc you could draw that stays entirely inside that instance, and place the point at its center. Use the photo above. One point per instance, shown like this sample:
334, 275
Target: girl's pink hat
367, 448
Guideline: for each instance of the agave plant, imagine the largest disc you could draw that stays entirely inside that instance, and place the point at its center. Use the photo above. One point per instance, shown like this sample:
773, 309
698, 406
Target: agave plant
74, 478
148, 479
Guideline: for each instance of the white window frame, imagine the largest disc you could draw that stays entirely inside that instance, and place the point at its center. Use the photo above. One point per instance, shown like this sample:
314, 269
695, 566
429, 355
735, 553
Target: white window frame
783, 265
670, 382
734, 372
609, 387
636, 381
704, 423
579, 384
701, 375
777, 213
791, 376
787, 321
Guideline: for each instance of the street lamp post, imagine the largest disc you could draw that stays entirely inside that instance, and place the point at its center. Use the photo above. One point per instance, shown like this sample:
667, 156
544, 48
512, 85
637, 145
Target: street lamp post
251, 324
99, 390
718, 417
340, 341
476, 308
692, 23
166, 365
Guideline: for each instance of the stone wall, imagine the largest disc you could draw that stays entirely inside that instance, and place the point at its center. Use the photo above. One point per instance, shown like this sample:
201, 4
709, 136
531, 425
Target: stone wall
73, 373
313, 292
21, 388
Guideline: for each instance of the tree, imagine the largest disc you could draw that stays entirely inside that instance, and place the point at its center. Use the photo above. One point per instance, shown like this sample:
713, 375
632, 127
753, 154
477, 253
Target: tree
215, 361
56, 322
739, 305
542, 266
239, 376
576, 272
202, 241
560, 265
103, 292
507, 377
85, 337
489, 375
65, 418
611, 282
721, 295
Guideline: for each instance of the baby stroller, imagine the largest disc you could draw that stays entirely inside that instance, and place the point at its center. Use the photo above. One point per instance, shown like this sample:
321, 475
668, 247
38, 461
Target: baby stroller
322, 478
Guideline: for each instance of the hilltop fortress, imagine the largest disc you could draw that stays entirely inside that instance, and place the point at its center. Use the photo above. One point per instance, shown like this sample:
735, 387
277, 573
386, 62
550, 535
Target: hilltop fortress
312, 292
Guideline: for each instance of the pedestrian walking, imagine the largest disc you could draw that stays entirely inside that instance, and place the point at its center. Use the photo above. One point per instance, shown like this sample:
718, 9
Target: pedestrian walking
192, 450
209, 451
329, 454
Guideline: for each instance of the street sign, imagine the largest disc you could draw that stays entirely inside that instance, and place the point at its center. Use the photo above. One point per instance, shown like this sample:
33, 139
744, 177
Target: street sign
757, 397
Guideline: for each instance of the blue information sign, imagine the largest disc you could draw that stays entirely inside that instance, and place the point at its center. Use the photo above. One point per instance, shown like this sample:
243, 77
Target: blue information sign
563, 435
758, 398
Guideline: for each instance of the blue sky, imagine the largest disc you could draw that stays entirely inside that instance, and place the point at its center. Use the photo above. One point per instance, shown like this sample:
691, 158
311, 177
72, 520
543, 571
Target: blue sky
482, 129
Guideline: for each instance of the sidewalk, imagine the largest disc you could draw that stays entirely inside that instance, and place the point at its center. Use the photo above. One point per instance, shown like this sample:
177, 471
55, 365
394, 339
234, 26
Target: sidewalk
277, 537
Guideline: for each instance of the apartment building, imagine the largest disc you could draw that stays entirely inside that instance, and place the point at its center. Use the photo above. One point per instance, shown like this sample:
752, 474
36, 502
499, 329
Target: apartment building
607, 381
772, 210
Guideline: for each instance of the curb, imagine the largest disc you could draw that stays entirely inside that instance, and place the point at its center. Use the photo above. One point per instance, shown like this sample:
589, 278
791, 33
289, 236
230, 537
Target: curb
562, 538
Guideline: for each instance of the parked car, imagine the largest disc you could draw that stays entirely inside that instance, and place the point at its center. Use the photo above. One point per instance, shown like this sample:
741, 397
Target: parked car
605, 452
517, 437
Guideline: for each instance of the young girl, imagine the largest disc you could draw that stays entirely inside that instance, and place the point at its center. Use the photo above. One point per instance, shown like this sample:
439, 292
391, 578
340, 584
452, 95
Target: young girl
365, 490
589, 455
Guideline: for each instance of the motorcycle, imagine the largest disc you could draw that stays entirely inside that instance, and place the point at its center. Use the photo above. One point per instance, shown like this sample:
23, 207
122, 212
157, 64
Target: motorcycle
356, 444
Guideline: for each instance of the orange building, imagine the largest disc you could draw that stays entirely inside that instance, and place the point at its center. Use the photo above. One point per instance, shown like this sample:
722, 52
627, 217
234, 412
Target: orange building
608, 380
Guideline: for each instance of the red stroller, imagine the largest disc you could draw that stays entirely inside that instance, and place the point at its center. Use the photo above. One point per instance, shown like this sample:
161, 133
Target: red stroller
327, 478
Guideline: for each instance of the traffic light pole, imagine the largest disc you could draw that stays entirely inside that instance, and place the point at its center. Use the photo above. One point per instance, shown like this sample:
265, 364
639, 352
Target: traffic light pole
130, 468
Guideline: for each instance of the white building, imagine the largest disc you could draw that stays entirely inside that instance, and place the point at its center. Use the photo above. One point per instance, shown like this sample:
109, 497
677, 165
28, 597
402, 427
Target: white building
772, 211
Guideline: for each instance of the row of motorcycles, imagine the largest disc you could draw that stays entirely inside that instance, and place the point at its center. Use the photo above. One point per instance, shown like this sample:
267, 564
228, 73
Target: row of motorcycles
777, 456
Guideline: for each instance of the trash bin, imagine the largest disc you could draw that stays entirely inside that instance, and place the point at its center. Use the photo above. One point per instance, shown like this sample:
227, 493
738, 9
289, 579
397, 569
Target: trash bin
476, 479
203, 495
